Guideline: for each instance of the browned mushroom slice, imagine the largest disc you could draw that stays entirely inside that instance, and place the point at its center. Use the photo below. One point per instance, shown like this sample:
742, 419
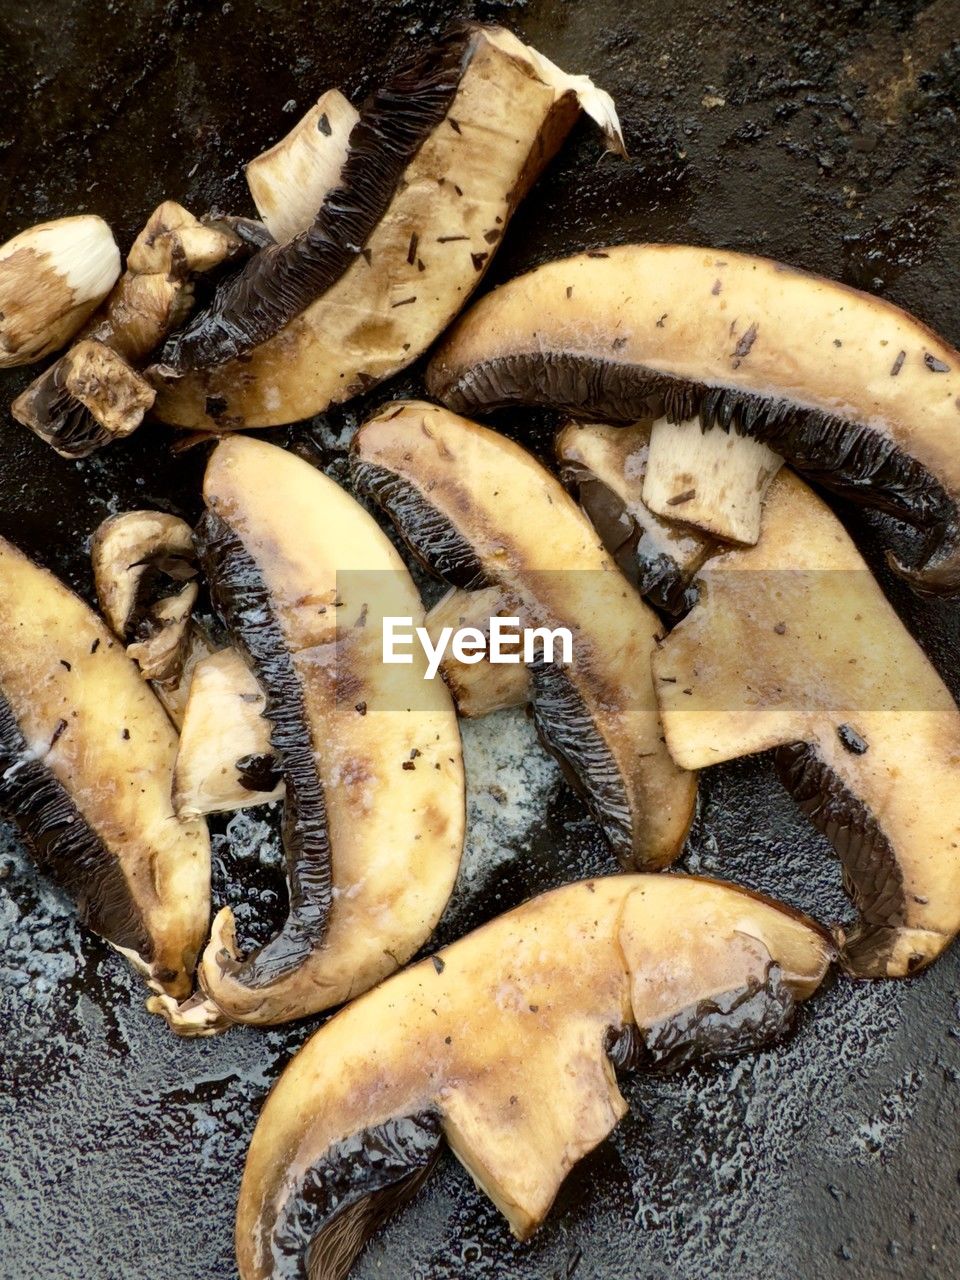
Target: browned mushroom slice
438, 161
87, 762
94, 394
713, 479
795, 647
604, 468
225, 759
290, 182
478, 510
370, 752
850, 389
478, 688
502, 1044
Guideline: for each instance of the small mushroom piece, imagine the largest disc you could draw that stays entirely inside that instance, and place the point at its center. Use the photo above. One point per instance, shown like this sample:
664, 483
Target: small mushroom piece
153, 295
52, 277
710, 478
374, 811
794, 647
87, 764
290, 182
605, 468
145, 571
225, 760
439, 159
478, 688
505, 1044
852, 391
478, 510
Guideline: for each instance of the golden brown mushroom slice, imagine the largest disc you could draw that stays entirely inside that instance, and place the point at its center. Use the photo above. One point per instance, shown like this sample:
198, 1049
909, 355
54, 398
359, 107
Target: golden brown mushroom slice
851, 390
478, 688
438, 161
505, 1044
794, 647
87, 762
373, 826
478, 510
94, 394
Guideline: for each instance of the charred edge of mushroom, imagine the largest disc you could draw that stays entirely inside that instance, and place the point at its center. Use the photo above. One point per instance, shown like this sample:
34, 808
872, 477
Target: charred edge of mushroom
847, 457
65, 846
243, 603
570, 736
871, 873
252, 234
54, 413
343, 1199
657, 578
420, 525
259, 772
281, 281
725, 1025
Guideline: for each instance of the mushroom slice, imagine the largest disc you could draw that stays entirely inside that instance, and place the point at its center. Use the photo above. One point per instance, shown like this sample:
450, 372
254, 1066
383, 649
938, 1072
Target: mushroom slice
709, 477
604, 468
94, 394
478, 510
290, 182
226, 759
851, 390
51, 277
478, 688
438, 161
145, 569
794, 647
86, 771
370, 752
502, 1044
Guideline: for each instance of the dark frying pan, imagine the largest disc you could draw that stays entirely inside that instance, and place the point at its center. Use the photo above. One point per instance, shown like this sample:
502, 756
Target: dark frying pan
823, 134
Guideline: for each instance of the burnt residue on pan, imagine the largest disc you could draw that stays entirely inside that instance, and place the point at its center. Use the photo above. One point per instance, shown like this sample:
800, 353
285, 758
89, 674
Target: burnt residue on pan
823, 134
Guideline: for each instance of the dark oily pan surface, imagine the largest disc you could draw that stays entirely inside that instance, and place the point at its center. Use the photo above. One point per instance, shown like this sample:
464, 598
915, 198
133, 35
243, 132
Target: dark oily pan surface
825, 137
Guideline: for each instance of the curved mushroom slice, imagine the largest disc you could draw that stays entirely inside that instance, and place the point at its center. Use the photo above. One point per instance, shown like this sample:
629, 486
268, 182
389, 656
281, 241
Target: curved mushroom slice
477, 510
87, 761
290, 182
709, 477
225, 759
438, 161
94, 394
848, 388
794, 646
478, 688
502, 1044
604, 468
370, 752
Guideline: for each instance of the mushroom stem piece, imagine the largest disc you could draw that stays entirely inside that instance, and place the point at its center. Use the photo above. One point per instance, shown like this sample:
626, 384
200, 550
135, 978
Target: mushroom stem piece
793, 646
505, 1044
52, 277
478, 510
370, 753
441, 156
848, 388
86, 771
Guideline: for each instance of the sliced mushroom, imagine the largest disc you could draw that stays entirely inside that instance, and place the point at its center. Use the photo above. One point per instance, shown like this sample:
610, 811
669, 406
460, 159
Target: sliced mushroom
86, 771
709, 477
478, 688
505, 1044
438, 161
226, 759
370, 753
794, 647
52, 277
478, 510
604, 468
94, 394
850, 389
290, 182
